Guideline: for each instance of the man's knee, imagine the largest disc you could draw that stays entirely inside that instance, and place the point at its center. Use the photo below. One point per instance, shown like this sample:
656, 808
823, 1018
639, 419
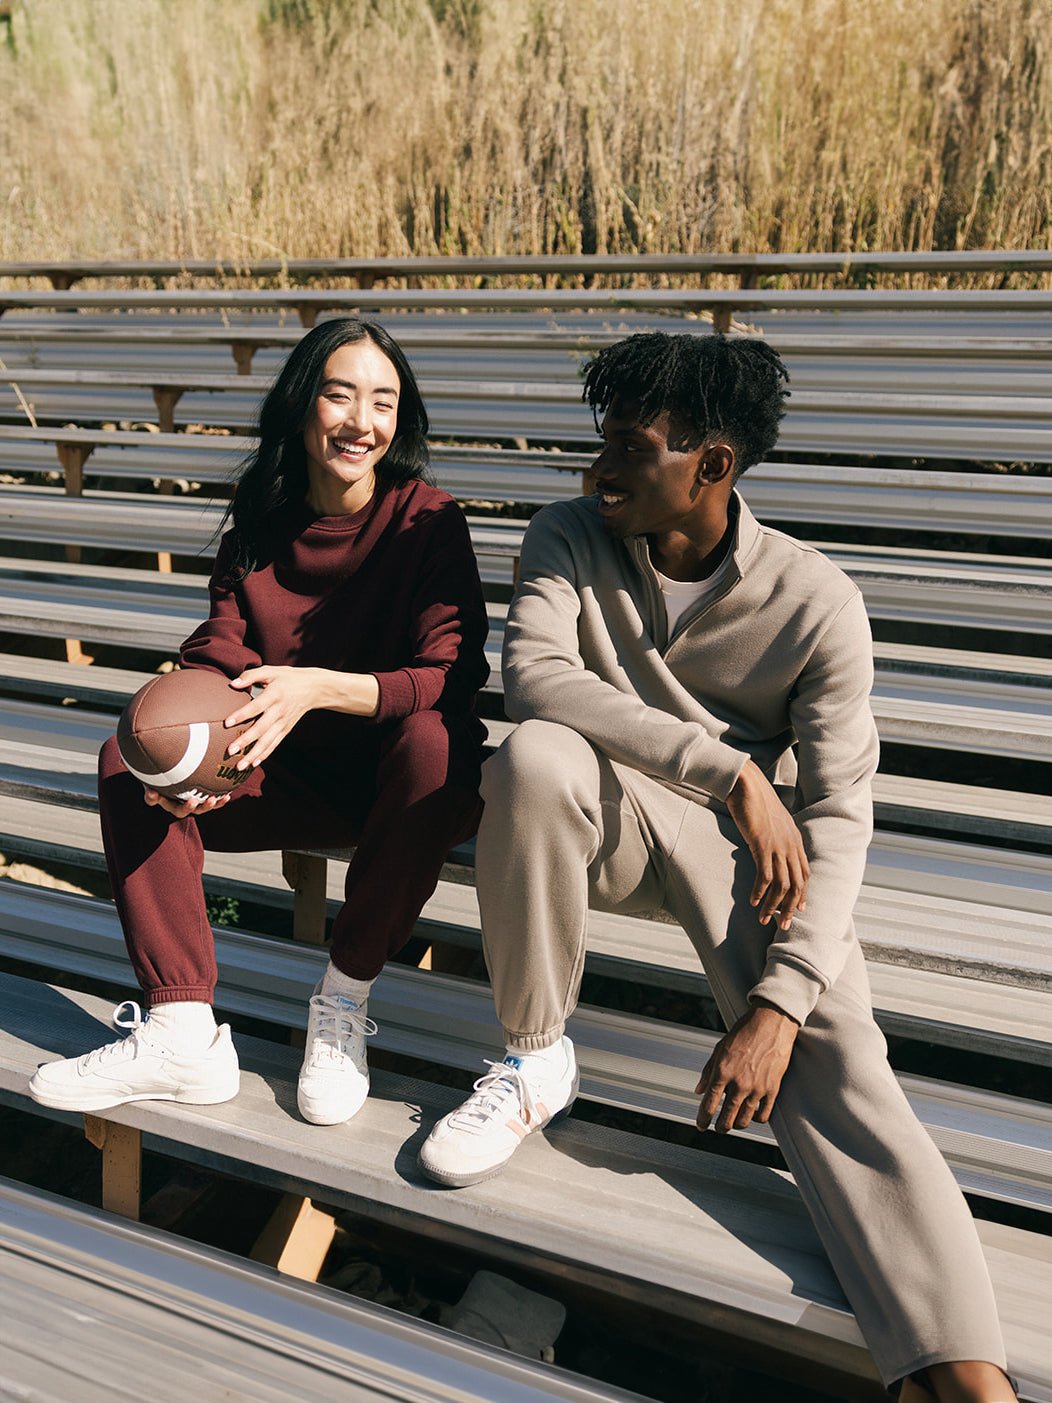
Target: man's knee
538, 762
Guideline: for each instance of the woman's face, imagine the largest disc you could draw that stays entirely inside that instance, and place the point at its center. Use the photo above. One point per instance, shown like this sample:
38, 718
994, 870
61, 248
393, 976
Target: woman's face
351, 427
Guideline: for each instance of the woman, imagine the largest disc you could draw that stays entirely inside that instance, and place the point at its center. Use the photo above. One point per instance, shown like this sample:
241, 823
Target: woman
346, 596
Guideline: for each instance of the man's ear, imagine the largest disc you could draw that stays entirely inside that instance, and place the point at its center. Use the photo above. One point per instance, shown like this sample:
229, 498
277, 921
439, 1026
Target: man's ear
716, 463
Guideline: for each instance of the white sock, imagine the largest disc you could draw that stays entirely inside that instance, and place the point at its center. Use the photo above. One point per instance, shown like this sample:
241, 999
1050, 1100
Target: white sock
553, 1057
183, 1027
334, 981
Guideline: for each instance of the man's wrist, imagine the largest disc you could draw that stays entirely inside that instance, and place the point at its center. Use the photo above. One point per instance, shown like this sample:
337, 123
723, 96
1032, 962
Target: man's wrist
762, 1009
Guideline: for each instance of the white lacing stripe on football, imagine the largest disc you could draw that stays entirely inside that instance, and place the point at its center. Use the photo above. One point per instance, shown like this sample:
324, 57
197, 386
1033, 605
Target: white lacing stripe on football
192, 757
493, 1092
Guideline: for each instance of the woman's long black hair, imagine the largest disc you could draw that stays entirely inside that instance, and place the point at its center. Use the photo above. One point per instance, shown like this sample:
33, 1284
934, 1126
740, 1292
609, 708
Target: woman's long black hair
274, 477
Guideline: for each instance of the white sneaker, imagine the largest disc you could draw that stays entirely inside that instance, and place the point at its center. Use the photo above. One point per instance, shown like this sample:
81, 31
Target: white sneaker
515, 1097
334, 1078
136, 1068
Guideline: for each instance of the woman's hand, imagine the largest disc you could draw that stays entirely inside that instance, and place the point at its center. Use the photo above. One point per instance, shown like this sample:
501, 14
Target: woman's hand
183, 808
287, 694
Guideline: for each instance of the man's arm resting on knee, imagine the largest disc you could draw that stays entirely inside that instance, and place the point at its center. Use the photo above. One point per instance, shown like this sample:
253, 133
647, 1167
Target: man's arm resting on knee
837, 752
545, 677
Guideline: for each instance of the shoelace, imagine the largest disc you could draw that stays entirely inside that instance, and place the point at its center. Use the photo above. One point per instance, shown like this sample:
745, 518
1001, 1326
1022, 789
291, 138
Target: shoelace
491, 1095
137, 1021
334, 1021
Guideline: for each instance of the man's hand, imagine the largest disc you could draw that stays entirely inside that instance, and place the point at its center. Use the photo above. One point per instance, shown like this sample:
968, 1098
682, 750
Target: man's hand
183, 808
746, 1069
777, 848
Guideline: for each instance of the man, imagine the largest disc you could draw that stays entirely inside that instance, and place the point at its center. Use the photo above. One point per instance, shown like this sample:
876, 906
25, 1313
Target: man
696, 735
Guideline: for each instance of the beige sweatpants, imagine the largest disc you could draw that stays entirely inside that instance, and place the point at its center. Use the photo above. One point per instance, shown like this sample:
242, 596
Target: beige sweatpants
564, 828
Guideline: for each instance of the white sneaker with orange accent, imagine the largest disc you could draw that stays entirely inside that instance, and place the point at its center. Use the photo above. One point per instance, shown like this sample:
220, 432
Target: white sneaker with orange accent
515, 1097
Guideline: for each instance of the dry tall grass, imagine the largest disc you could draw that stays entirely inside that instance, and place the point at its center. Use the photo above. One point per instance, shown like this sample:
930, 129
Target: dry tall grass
248, 128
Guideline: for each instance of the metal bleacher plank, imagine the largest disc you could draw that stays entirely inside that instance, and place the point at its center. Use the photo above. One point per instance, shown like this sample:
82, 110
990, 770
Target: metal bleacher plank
984, 429
997, 1019
946, 263
1033, 302
635, 1064
900, 799
128, 1302
955, 589
1001, 504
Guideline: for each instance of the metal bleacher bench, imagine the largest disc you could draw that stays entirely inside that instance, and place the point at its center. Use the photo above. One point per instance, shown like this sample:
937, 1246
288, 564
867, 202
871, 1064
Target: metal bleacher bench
746, 266
128, 1302
728, 1244
722, 303
1001, 427
890, 498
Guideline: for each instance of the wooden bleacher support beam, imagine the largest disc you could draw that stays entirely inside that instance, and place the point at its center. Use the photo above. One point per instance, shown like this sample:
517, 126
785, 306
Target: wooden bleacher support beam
72, 457
296, 1238
121, 1147
305, 874
166, 397
298, 1235
243, 353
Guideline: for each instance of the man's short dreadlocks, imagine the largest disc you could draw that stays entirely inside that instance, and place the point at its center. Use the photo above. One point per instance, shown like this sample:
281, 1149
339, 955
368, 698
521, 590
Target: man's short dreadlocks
711, 385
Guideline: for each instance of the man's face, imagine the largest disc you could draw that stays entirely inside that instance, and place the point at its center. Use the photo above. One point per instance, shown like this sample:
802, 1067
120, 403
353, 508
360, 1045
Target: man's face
646, 484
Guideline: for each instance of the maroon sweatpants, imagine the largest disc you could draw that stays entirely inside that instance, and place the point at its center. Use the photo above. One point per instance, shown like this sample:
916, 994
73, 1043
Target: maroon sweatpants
404, 794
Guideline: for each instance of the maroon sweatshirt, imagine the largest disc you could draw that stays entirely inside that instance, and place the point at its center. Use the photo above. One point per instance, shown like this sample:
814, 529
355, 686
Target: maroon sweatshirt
391, 590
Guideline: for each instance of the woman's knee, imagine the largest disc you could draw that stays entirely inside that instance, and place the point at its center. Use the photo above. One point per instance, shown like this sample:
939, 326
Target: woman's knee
110, 762
434, 758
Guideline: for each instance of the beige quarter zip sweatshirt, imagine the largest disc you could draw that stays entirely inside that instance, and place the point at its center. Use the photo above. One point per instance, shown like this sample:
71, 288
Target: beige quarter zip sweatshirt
779, 661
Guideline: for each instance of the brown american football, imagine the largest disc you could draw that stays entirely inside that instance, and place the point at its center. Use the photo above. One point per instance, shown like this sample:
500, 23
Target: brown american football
171, 734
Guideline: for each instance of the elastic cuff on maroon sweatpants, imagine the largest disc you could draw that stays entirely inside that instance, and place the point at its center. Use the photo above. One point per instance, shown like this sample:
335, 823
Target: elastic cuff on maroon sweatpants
184, 994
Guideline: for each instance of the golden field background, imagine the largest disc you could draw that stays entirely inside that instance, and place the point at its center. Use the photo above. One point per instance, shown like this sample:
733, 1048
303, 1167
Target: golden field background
320, 128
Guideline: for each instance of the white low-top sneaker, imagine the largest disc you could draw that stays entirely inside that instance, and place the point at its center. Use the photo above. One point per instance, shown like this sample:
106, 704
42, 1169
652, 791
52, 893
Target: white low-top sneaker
334, 1078
138, 1068
514, 1098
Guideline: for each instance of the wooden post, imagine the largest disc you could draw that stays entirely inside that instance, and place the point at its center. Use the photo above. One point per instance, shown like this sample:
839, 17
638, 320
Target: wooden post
73, 456
308, 313
305, 874
298, 1235
166, 397
297, 1238
721, 318
121, 1147
243, 351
